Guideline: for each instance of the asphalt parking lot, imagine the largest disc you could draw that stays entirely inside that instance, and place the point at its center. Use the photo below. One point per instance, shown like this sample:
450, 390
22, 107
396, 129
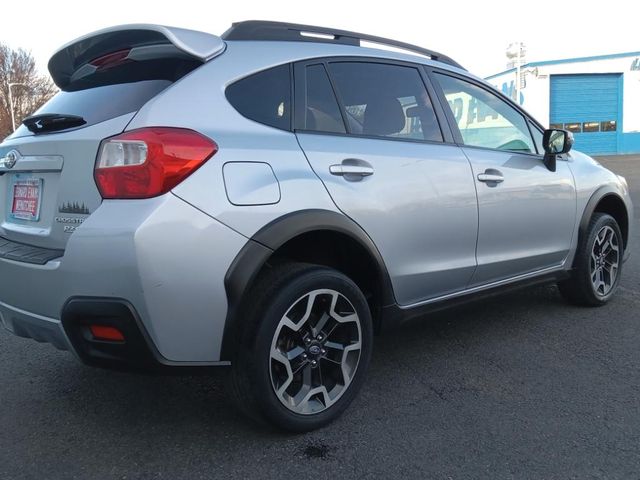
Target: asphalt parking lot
521, 386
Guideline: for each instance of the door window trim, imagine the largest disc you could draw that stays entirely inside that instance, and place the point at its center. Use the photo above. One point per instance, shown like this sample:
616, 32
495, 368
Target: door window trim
431, 71
299, 72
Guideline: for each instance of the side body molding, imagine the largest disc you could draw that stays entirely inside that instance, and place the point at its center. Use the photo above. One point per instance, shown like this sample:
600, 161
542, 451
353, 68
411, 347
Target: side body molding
268, 239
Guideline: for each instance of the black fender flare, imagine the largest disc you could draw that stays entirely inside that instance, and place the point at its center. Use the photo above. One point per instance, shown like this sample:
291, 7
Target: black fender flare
596, 197
257, 251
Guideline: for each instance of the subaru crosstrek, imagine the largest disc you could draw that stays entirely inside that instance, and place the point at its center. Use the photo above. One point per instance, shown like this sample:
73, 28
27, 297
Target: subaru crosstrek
271, 198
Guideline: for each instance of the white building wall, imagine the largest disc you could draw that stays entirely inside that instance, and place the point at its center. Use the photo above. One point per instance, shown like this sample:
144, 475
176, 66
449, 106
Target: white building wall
536, 92
631, 105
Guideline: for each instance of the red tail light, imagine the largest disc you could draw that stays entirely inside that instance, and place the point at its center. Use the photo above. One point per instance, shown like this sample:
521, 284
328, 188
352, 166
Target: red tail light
149, 162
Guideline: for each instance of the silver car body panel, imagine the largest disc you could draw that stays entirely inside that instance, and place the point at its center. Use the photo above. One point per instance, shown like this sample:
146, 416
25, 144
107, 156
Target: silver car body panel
527, 222
64, 162
239, 139
201, 45
197, 45
592, 182
168, 256
159, 254
415, 189
250, 183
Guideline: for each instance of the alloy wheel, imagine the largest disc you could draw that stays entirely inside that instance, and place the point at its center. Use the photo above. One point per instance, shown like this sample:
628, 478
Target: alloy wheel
605, 260
315, 351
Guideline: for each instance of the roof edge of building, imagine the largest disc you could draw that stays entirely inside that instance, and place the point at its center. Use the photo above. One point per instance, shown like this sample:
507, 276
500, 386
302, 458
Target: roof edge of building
567, 60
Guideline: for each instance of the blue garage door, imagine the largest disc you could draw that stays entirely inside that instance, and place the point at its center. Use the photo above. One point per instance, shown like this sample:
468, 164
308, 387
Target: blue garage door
588, 106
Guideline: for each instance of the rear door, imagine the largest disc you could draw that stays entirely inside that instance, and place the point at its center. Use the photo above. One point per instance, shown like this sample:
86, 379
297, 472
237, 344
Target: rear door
527, 213
370, 132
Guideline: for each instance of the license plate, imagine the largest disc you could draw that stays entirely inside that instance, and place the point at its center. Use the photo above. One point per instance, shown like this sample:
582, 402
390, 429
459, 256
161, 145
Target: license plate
26, 193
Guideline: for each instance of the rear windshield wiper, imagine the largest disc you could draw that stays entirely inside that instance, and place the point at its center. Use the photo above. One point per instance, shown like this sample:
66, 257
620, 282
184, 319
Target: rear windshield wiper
52, 122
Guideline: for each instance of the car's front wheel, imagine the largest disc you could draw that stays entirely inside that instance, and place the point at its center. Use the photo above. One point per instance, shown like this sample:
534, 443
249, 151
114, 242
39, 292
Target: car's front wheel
597, 265
305, 349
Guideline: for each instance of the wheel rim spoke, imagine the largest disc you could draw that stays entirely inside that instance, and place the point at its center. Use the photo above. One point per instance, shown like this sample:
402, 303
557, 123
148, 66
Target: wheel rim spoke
317, 329
315, 351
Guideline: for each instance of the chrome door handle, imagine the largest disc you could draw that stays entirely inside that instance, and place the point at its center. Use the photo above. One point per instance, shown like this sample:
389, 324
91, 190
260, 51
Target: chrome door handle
490, 177
342, 170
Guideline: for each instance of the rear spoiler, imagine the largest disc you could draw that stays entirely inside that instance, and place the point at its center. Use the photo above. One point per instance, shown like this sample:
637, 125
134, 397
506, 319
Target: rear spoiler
79, 59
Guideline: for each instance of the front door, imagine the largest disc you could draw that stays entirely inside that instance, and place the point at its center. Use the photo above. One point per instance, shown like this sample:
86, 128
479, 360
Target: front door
526, 212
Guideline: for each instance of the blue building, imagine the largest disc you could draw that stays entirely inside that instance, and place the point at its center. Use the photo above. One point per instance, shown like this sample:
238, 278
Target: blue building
597, 98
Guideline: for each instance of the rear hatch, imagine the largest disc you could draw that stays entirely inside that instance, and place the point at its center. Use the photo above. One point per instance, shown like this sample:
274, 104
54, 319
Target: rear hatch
47, 186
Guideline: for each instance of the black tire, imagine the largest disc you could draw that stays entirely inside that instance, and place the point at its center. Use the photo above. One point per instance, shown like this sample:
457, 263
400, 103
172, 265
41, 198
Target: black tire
274, 293
579, 288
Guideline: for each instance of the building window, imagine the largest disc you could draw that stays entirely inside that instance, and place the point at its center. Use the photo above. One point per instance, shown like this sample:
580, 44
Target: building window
573, 127
608, 126
590, 127
556, 126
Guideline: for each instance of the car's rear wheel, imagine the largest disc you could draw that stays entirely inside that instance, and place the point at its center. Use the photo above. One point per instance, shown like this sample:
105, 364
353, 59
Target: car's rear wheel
305, 348
598, 263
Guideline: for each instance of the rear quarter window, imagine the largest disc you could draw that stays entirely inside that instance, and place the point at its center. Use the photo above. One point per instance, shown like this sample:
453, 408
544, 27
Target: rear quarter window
264, 97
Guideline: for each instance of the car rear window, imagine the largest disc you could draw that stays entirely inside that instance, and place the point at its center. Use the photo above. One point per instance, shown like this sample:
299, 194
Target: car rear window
264, 97
99, 104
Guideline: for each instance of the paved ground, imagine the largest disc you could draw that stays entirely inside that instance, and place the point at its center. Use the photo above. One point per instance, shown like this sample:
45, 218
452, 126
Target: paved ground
523, 386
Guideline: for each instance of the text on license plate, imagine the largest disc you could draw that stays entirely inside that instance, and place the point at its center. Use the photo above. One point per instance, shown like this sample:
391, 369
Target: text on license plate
25, 204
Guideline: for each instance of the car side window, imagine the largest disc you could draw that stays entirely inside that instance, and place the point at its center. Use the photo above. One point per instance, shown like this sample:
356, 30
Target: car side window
385, 101
537, 138
322, 113
484, 119
264, 97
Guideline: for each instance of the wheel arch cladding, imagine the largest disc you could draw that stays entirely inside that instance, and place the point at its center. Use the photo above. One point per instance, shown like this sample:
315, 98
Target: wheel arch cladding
321, 237
607, 200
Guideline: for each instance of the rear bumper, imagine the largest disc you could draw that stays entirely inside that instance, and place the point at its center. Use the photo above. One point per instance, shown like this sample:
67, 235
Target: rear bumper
136, 351
31, 325
161, 256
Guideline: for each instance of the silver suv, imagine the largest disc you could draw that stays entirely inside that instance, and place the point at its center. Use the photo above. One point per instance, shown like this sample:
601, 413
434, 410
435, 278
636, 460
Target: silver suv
271, 198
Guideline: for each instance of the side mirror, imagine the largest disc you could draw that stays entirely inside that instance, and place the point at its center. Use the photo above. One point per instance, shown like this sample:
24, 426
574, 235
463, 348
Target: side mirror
555, 142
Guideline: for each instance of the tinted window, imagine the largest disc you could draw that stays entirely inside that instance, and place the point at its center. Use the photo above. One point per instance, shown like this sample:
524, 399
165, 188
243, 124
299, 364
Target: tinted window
322, 113
264, 97
484, 119
98, 104
385, 100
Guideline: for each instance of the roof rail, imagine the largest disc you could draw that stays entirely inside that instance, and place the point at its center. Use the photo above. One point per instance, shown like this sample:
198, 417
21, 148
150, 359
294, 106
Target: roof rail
265, 30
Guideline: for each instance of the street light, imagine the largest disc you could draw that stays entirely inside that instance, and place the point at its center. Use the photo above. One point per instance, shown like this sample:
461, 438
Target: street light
13, 118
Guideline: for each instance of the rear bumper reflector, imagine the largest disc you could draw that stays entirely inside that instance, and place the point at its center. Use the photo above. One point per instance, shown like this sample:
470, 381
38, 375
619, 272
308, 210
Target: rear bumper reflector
107, 334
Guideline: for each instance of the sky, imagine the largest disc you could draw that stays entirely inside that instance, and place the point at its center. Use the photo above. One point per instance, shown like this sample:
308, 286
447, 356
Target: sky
474, 33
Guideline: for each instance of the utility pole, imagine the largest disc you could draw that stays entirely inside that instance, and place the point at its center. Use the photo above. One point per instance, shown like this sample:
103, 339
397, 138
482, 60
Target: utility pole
518, 71
13, 118
515, 54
